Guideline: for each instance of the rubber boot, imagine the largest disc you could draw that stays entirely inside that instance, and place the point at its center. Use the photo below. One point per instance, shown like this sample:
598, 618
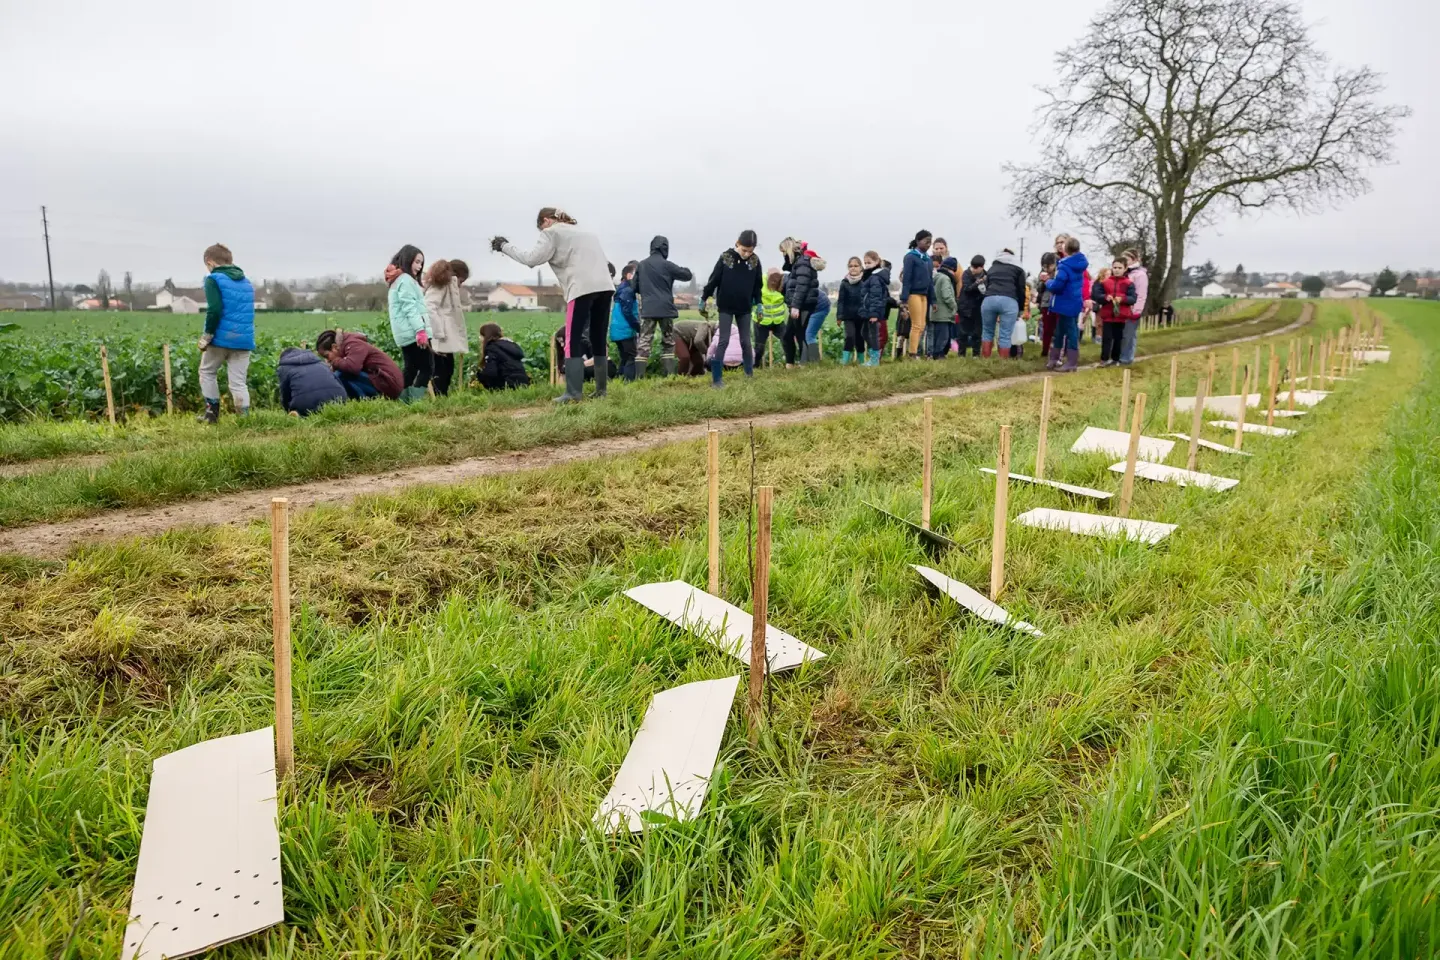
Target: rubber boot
986, 347
627, 371
211, 414
845, 356
717, 372
812, 353
602, 376
1072, 361
672, 366
641, 365
574, 380
874, 358
1053, 361
243, 412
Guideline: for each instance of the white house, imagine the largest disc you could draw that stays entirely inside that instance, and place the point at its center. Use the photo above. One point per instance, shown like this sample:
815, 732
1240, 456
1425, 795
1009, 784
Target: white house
179, 303
169, 293
1214, 289
1349, 290
514, 296
1276, 289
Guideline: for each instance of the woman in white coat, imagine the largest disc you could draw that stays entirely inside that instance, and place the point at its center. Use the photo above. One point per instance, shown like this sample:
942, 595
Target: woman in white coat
448, 335
584, 274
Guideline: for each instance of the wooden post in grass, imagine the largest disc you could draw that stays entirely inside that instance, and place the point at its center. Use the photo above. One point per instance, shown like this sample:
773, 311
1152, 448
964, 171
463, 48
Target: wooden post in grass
1044, 429
1127, 486
1002, 509
169, 392
713, 470
1320, 368
1273, 386
1124, 397
1256, 368
1202, 390
554, 376
1294, 366
1234, 369
1240, 417
926, 433
760, 613
109, 393
280, 628
1210, 369
1174, 374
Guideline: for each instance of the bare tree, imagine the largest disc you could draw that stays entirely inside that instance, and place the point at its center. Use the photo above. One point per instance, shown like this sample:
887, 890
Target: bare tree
1198, 108
103, 289
129, 291
1121, 221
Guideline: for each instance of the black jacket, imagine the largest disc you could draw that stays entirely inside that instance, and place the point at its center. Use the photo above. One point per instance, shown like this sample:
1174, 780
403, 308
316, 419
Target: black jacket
504, 366
877, 293
655, 282
306, 382
971, 294
1005, 280
850, 304
802, 286
735, 283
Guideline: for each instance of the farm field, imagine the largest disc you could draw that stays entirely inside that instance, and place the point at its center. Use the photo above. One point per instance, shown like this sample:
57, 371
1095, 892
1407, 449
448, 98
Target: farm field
1222, 747
55, 471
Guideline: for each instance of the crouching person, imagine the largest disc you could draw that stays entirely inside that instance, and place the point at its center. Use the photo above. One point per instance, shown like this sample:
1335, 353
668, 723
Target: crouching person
306, 383
362, 368
504, 367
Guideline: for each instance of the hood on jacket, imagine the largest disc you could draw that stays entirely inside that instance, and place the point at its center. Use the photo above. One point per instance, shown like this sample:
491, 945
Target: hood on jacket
298, 357
816, 261
1004, 256
1078, 261
661, 245
231, 271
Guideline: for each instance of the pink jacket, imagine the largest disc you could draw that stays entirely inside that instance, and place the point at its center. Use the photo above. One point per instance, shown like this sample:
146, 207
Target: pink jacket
1141, 279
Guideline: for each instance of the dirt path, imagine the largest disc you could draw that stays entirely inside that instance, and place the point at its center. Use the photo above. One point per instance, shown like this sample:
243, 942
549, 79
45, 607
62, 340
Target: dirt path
55, 540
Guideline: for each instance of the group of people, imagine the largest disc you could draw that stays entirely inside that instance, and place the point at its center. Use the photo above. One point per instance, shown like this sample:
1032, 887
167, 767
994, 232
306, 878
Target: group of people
982, 310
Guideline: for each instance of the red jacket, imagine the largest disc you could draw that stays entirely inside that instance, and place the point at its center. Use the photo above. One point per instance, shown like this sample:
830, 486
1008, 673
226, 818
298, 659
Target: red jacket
1121, 287
358, 354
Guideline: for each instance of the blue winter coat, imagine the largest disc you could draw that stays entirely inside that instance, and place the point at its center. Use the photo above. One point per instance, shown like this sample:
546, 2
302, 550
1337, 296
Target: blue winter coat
306, 382
1068, 286
876, 288
917, 275
624, 314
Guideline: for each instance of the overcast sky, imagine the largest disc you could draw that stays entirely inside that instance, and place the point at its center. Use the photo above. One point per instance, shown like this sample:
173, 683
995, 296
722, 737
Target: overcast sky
318, 136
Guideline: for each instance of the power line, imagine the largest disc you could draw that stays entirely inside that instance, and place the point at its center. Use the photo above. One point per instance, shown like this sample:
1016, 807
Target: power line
45, 225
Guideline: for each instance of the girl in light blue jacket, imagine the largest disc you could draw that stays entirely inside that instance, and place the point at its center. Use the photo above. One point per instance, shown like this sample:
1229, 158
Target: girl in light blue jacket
410, 320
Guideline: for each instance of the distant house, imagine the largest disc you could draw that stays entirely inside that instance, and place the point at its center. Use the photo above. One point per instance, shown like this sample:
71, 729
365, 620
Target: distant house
22, 301
94, 304
166, 296
1213, 289
1276, 289
1349, 290
185, 304
513, 296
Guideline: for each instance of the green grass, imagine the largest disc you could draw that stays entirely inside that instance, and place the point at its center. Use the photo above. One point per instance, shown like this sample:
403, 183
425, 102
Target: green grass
1224, 747
161, 461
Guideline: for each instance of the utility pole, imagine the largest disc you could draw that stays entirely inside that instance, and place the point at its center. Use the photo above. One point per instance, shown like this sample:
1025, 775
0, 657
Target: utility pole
45, 225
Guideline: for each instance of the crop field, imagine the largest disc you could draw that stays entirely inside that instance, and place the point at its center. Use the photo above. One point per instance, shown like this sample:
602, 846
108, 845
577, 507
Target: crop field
1223, 746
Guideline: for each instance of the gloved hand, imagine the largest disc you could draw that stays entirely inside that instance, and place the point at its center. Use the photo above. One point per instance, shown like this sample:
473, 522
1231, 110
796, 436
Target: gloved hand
497, 242
705, 309
205, 340
422, 338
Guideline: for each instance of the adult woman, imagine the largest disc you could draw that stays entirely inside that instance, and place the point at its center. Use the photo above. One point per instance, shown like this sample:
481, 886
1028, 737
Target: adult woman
1005, 295
917, 289
448, 334
410, 321
580, 265
802, 269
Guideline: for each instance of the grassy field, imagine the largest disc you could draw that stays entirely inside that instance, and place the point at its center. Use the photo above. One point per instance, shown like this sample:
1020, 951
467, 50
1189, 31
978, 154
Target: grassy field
154, 461
1224, 746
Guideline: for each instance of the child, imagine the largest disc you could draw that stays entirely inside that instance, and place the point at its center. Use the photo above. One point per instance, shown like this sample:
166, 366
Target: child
1068, 287
410, 320
229, 332
972, 293
1043, 296
306, 384
362, 368
736, 283
878, 304
1114, 297
449, 334
504, 361
625, 321
850, 309
771, 313
944, 308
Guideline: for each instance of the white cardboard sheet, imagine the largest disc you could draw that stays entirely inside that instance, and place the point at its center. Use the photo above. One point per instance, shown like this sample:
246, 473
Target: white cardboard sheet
672, 758
1259, 428
209, 866
1230, 406
1373, 356
1114, 443
1224, 403
1094, 525
1211, 445
1066, 487
723, 624
974, 601
1160, 473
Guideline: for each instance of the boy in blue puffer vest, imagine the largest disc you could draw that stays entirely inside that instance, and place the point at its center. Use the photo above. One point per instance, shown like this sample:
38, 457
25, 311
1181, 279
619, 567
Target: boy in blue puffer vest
229, 332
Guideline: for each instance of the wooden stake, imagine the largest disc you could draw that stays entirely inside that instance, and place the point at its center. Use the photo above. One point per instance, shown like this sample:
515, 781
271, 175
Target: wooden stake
1174, 374
1044, 429
925, 475
169, 393
109, 393
713, 470
1294, 365
554, 373
1256, 368
760, 613
1210, 370
280, 628
1274, 385
1234, 369
1127, 486
1202, 390
1124, 397
1240, 417
1002, 509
